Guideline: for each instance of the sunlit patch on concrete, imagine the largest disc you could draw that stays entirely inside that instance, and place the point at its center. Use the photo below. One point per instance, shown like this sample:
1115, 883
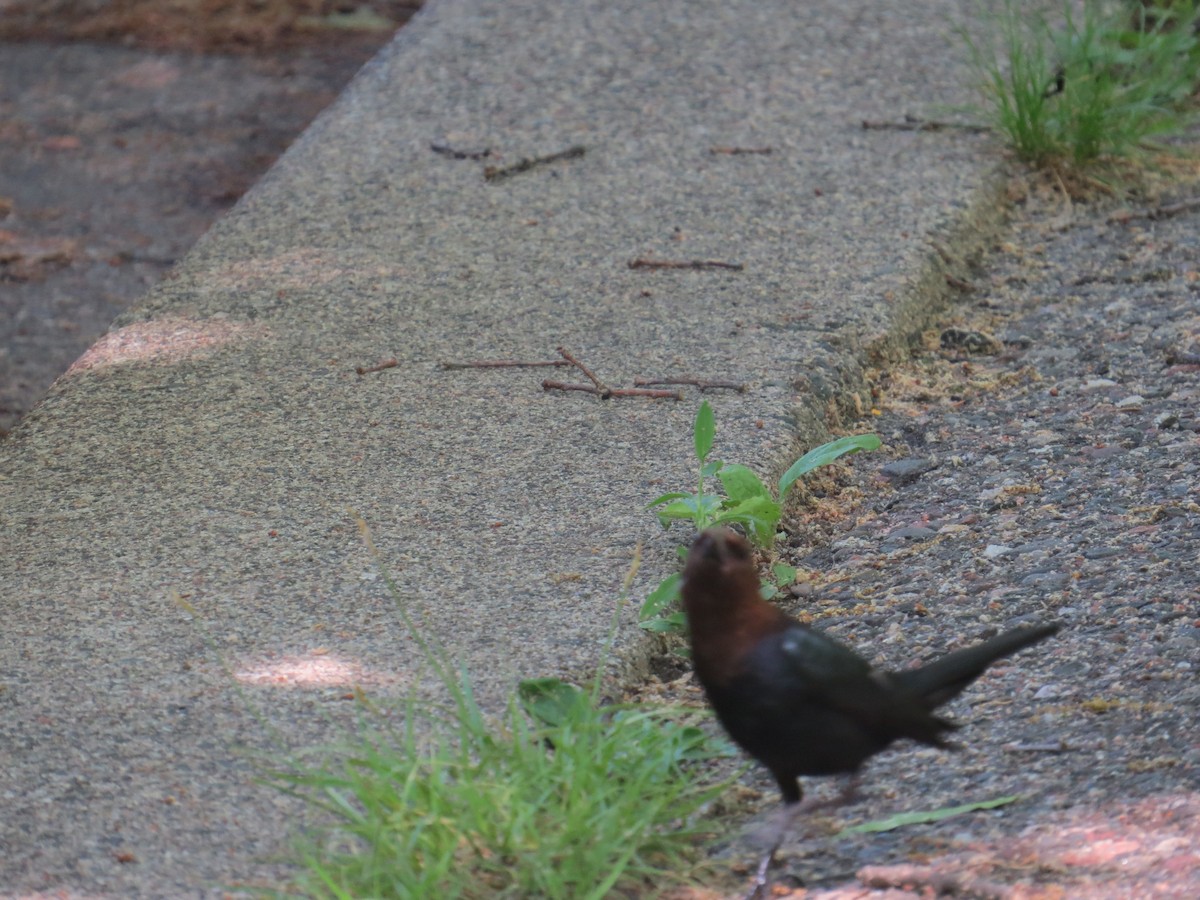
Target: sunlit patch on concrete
164, 340
315, 669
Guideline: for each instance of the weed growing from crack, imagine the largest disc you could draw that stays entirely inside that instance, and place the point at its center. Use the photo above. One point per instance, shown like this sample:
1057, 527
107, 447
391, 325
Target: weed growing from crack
746, 502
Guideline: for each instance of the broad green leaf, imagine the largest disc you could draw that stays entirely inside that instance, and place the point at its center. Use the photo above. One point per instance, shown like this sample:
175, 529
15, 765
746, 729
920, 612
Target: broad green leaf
698, 509
666, 594
676, 623
704, 430
784, 574
921, 818
666, 498
825, 454
711, 468
700, 746
741, 483
767, 591
551, 701
760, 516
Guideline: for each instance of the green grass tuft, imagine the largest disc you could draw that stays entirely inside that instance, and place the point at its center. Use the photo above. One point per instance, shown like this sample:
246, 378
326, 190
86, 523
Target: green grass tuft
558, 797
1101, 82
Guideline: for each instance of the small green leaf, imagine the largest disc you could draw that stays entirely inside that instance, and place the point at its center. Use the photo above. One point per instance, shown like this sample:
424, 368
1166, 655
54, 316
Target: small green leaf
551, 701
711, 468
766, 590
666, 498
666, 594
759, 515
825, 454
784, 574
704, 430
921, 818
675, 623
698, 509
701, 746
741, 483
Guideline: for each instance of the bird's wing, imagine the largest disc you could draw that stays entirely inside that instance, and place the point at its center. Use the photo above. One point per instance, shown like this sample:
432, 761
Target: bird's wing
832, 675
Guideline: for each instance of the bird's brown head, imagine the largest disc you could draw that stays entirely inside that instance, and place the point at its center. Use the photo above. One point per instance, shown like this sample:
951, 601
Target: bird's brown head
726, 614
719, 572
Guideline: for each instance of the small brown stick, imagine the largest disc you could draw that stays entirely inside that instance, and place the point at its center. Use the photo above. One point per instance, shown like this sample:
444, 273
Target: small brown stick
496, 173
386, 364
643, 263
502, 364
941, 250
1158, 212
460, 154
738, 151
959, 284
913, 123
694, 382
604, 389
1174, 209
611, 393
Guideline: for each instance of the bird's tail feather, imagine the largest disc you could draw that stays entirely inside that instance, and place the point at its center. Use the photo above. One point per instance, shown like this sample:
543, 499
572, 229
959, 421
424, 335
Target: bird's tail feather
945, 678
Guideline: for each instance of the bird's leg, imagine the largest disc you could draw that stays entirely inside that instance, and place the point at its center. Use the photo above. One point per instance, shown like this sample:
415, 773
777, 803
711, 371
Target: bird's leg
787, 818
762, 874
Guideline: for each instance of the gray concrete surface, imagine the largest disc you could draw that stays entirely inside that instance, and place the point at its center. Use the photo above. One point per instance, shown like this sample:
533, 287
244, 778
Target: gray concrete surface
212, 444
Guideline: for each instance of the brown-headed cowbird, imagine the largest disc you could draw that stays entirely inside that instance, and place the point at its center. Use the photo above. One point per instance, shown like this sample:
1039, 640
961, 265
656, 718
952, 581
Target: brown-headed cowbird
796, 700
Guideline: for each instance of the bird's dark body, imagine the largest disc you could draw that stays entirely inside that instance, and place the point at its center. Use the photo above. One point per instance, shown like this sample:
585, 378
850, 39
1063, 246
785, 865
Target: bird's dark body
796, 700
784, 718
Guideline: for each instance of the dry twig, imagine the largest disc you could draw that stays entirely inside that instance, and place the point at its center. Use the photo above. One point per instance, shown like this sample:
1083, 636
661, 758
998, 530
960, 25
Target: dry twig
1157, 212
611, 393
597, 386
460, 154
497, 173
643, 263
603, 389
913, 123
502, 364
694, 382
739, 151
386, 364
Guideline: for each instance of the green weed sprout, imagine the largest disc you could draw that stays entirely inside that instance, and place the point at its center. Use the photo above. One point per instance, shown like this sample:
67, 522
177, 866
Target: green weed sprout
745, 502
